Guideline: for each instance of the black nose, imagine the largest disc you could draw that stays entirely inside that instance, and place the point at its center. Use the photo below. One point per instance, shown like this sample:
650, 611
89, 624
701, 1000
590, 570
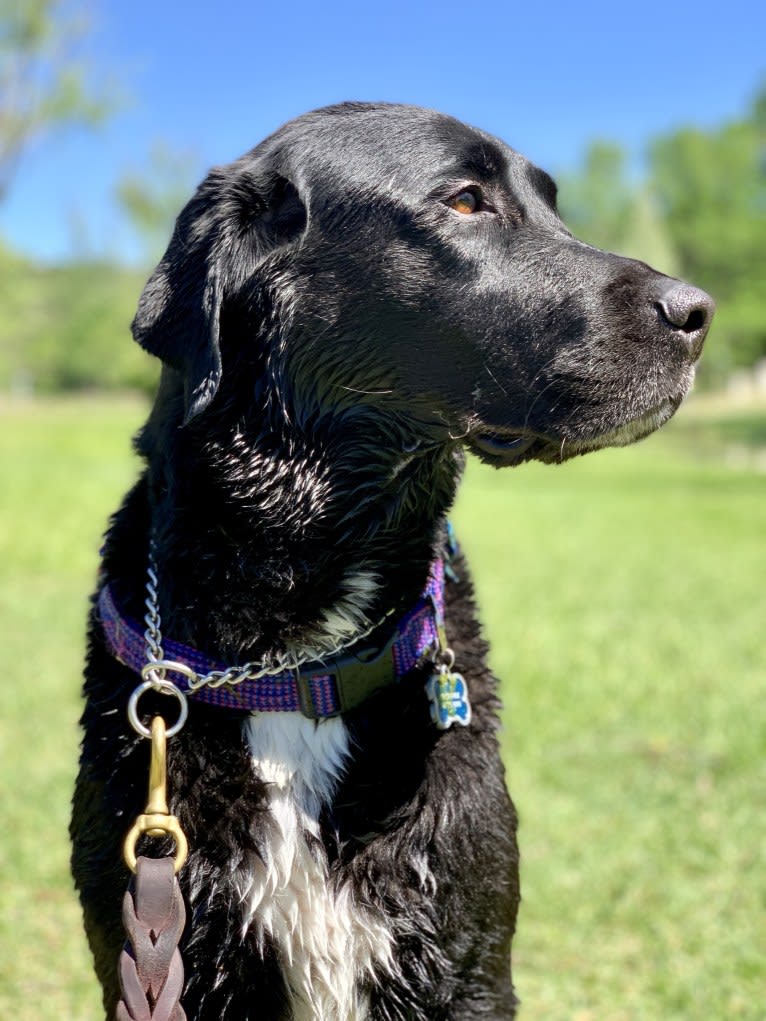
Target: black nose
688, 311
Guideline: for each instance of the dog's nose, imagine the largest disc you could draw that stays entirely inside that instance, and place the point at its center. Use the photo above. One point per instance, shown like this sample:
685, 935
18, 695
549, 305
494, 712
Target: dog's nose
688, 311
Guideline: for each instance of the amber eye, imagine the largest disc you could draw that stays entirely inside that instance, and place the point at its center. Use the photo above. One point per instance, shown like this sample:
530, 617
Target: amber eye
466, 202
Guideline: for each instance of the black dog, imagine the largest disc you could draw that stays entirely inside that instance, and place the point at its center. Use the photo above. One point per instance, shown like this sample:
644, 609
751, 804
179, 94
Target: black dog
340, 313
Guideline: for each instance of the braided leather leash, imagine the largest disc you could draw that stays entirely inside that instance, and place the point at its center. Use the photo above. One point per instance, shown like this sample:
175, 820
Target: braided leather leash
151, 970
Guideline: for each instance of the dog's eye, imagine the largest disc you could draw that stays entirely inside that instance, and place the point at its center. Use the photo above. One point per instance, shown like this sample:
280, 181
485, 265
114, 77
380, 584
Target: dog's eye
467, 201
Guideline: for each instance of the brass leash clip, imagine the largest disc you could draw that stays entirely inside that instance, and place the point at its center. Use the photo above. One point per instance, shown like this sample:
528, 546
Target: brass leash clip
156, 820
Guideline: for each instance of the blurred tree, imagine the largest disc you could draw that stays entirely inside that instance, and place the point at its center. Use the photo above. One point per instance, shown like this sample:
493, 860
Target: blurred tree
152, 197
711, 186
601, 206
699, 213
66, 327
646, 235
44, 82
596, 201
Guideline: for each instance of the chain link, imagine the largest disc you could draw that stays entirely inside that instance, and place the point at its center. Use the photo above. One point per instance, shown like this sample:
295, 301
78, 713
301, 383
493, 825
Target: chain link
234, 675
153, 634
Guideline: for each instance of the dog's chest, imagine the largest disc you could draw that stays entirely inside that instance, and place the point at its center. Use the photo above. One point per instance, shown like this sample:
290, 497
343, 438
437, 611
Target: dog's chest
329, 944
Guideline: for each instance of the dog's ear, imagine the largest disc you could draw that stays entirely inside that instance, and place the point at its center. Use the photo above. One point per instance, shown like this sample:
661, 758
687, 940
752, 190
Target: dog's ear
236, 219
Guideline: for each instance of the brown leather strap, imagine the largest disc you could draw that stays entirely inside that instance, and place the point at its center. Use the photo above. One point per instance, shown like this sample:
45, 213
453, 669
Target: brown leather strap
151, 970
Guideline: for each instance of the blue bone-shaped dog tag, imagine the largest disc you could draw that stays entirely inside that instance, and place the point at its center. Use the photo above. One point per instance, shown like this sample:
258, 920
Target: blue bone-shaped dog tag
448, 695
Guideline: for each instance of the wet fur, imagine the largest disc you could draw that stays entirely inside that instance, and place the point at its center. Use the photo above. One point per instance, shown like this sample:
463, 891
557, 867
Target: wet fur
333, 333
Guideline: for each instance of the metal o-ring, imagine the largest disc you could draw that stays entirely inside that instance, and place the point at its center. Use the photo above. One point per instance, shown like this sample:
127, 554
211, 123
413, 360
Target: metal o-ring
156, 669
166, 688
448, 658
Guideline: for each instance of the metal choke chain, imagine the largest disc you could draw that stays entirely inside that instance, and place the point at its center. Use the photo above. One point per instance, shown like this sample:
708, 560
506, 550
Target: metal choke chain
152, 635
234, 675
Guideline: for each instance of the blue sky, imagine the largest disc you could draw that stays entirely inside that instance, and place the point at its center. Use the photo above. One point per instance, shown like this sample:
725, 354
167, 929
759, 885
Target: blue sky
211, 79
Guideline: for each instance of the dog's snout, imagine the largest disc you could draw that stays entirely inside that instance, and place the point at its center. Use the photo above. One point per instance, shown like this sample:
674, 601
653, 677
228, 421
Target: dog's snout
688, 311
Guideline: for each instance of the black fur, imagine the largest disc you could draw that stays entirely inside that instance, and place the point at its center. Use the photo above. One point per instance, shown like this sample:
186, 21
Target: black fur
333, 333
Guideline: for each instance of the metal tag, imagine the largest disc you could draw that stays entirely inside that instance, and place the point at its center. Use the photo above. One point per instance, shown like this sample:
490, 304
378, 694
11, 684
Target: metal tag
448, 694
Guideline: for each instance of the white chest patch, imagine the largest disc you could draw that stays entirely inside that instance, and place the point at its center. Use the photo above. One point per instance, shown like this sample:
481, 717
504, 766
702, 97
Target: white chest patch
328, 943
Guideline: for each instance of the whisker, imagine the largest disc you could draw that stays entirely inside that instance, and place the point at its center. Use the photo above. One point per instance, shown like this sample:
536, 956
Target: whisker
354, 390
493, 377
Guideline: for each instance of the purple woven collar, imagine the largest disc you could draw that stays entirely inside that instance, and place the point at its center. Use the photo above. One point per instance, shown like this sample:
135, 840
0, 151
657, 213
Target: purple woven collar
317, 690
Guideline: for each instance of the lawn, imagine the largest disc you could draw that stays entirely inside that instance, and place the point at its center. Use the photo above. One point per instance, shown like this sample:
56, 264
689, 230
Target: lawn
624, 596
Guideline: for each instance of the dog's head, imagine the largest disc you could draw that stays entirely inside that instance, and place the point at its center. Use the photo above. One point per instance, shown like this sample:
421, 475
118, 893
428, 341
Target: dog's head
392, 259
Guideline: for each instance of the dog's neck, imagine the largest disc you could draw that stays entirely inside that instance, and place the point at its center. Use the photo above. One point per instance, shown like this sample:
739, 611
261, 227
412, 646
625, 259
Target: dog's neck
311, 536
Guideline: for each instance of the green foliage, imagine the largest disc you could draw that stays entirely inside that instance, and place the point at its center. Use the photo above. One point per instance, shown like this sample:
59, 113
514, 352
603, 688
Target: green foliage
67, 327
699, 213
44, 83
623, 595
603, 207
646, 234
151, 197
712, 189
596, 201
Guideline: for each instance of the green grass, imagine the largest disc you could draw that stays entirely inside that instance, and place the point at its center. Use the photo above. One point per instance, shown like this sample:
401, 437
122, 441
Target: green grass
624, 596
712, 427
